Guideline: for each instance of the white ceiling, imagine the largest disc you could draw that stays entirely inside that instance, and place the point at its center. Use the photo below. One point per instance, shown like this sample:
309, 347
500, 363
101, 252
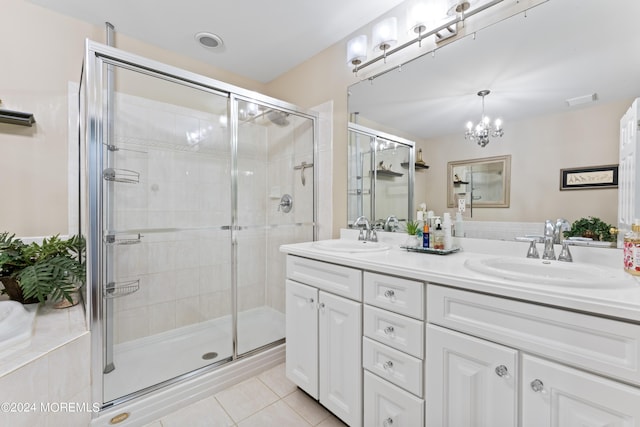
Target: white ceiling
262, 38
562, 49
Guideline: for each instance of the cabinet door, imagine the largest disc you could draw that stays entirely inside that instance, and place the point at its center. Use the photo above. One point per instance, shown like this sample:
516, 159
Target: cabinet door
559, 396
340, 346
469, 381
302, 336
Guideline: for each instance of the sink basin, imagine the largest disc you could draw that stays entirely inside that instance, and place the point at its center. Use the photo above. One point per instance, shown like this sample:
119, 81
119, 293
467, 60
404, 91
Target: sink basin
343, 245
556, 273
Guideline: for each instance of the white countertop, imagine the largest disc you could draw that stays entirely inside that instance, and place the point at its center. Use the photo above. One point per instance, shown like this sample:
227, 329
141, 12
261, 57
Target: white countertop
622, 303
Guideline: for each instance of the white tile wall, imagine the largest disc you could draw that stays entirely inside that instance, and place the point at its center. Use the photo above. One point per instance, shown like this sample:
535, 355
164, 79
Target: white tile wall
183, 159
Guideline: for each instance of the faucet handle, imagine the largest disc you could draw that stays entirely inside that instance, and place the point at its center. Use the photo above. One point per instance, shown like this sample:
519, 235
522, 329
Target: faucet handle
565, 253
532, 252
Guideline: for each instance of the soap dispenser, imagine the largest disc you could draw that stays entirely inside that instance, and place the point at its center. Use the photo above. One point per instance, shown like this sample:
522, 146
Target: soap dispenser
438, 237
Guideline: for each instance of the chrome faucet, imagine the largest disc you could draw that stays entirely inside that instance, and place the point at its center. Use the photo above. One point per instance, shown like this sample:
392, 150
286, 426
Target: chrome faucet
552, 235
369, 236
549, 236
391, 223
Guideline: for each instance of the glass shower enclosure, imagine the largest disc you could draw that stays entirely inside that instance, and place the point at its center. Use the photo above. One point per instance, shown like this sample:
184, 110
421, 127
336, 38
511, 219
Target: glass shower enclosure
188, 188
380, 172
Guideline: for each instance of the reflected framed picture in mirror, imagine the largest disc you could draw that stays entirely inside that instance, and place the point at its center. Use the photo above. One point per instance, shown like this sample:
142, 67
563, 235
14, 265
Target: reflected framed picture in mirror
482, 183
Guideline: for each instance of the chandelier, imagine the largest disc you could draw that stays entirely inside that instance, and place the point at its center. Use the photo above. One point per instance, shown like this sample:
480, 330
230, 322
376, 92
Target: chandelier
484, 129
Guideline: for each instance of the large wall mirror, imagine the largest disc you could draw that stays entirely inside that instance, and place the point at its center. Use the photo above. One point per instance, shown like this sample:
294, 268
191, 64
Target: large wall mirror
560, 78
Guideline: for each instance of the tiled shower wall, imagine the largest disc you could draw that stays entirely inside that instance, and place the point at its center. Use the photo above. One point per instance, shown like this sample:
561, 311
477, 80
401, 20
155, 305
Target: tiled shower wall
183, 158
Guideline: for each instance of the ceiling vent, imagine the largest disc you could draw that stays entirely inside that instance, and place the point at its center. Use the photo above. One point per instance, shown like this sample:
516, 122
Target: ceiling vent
579, 100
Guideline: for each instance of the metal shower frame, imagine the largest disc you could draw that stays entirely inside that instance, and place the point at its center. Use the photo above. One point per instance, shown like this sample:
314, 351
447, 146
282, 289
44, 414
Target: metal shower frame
93, 107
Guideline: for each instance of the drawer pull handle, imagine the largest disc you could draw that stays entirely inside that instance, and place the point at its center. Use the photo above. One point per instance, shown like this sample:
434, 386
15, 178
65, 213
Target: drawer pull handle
389, 293
389, 330
537, 386
387, 365
502, 371
387, 422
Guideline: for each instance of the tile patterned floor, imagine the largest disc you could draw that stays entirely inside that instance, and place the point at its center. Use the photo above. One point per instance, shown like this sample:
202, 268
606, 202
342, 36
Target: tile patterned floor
267, 400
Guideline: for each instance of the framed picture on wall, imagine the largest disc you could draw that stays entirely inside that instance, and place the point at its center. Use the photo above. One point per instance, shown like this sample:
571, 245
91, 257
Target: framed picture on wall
589, 177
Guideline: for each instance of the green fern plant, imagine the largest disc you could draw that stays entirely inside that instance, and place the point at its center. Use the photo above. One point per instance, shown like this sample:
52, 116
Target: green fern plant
53, 269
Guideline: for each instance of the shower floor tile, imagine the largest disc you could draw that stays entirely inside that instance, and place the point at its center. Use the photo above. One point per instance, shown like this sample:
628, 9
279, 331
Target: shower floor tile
266, 400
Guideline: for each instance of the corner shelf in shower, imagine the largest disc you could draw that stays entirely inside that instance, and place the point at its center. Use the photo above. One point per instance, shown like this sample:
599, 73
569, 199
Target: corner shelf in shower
120, 289
121, 175
384, 172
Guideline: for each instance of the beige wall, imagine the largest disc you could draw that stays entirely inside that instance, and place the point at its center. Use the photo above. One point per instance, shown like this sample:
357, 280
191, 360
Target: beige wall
539, 148
41, 53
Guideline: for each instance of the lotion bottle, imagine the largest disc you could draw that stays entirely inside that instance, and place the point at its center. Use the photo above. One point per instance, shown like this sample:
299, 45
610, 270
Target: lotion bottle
459, 225
446, 228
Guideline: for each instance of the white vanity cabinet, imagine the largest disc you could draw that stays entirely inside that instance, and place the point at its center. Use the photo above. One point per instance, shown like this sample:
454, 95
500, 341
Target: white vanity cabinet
324, 330
470, 382
576, 369
393, 351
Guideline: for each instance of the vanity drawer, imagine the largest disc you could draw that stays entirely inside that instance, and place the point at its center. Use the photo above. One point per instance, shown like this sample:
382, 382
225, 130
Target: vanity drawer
606, 346
386, 405
333, 278
399, 332
393, 293
395, 366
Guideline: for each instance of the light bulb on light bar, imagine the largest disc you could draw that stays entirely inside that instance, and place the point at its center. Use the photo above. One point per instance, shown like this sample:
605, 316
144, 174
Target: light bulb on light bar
385, 33
357, 50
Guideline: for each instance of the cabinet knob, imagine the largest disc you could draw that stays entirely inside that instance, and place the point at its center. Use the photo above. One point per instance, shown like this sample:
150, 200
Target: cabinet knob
537, 386
388, 330
389, 293
387, 422
502, 371
311, 300
387, 365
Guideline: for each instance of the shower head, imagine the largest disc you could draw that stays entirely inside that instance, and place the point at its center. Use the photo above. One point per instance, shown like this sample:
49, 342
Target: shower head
278, 118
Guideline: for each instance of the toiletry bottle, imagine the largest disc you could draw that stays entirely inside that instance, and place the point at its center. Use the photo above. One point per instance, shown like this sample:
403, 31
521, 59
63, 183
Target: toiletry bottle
438, 237
459, 225
446, 228
425, 235
632, 249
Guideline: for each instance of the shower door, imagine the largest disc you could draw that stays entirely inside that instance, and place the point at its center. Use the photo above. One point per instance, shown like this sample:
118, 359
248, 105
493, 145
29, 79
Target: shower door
275, 205
189, 187
163, 170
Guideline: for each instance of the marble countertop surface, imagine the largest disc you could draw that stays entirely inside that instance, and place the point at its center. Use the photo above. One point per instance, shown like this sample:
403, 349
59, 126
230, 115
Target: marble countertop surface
620, 299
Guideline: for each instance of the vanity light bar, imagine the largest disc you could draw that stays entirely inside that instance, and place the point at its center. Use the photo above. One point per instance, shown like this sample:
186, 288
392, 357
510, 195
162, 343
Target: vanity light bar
439, 30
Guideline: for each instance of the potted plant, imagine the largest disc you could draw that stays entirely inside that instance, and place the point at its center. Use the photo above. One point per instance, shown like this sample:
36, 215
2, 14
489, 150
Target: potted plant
34, 272
591, 227
413, 230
